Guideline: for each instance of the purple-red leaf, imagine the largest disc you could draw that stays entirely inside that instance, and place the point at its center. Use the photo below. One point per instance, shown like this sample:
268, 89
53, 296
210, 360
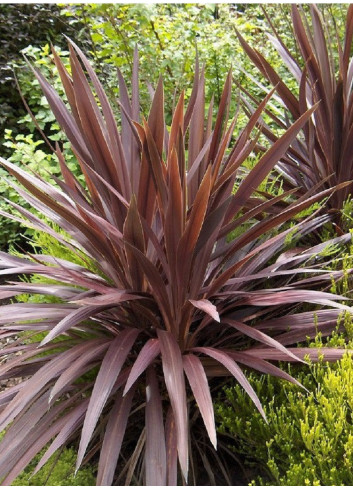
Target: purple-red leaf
174, 379
196, 376
235, 370
111, 365
113, 438
145, 358
71, 320
155, 454
172, 449
206, 306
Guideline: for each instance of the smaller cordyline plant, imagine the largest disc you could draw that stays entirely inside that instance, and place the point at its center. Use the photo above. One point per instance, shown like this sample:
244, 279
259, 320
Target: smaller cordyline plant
323, 69
164, 302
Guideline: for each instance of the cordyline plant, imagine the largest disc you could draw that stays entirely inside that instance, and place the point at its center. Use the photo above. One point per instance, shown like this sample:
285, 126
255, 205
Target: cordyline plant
165, 302
324, 72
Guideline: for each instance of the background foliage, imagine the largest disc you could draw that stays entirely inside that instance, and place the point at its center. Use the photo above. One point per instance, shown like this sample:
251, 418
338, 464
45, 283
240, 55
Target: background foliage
24, 25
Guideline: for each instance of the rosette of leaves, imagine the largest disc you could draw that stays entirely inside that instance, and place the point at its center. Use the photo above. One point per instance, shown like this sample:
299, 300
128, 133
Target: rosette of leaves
163, 302
323, 70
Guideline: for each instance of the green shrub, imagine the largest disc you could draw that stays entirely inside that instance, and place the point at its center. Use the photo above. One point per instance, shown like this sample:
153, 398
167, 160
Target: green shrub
169, 33
56, 473
309, 436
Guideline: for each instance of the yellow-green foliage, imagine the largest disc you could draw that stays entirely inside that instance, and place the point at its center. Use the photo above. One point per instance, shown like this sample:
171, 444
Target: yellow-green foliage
45, 244
60, 473
347, 213
309, 436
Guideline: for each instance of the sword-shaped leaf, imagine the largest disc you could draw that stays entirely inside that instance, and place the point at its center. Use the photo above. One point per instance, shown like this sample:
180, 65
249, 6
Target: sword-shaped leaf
235, 370
112, 363
206, 306
174, 379
113, 438
155, 454
145, 358
196, 376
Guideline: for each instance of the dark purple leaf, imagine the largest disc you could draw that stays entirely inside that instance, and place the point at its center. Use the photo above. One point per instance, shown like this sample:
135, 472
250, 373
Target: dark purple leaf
174, 378
198, 382
112, 363
155, 454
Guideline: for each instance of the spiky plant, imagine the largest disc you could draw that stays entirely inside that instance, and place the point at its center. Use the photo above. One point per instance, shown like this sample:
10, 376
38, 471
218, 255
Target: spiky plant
164, 303
323, 69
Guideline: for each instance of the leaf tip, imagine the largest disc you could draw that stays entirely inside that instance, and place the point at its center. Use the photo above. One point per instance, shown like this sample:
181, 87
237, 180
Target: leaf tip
43, 342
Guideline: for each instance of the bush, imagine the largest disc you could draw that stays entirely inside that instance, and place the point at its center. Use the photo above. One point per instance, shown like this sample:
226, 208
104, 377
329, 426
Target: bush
169, 300
309, 436
321, 68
